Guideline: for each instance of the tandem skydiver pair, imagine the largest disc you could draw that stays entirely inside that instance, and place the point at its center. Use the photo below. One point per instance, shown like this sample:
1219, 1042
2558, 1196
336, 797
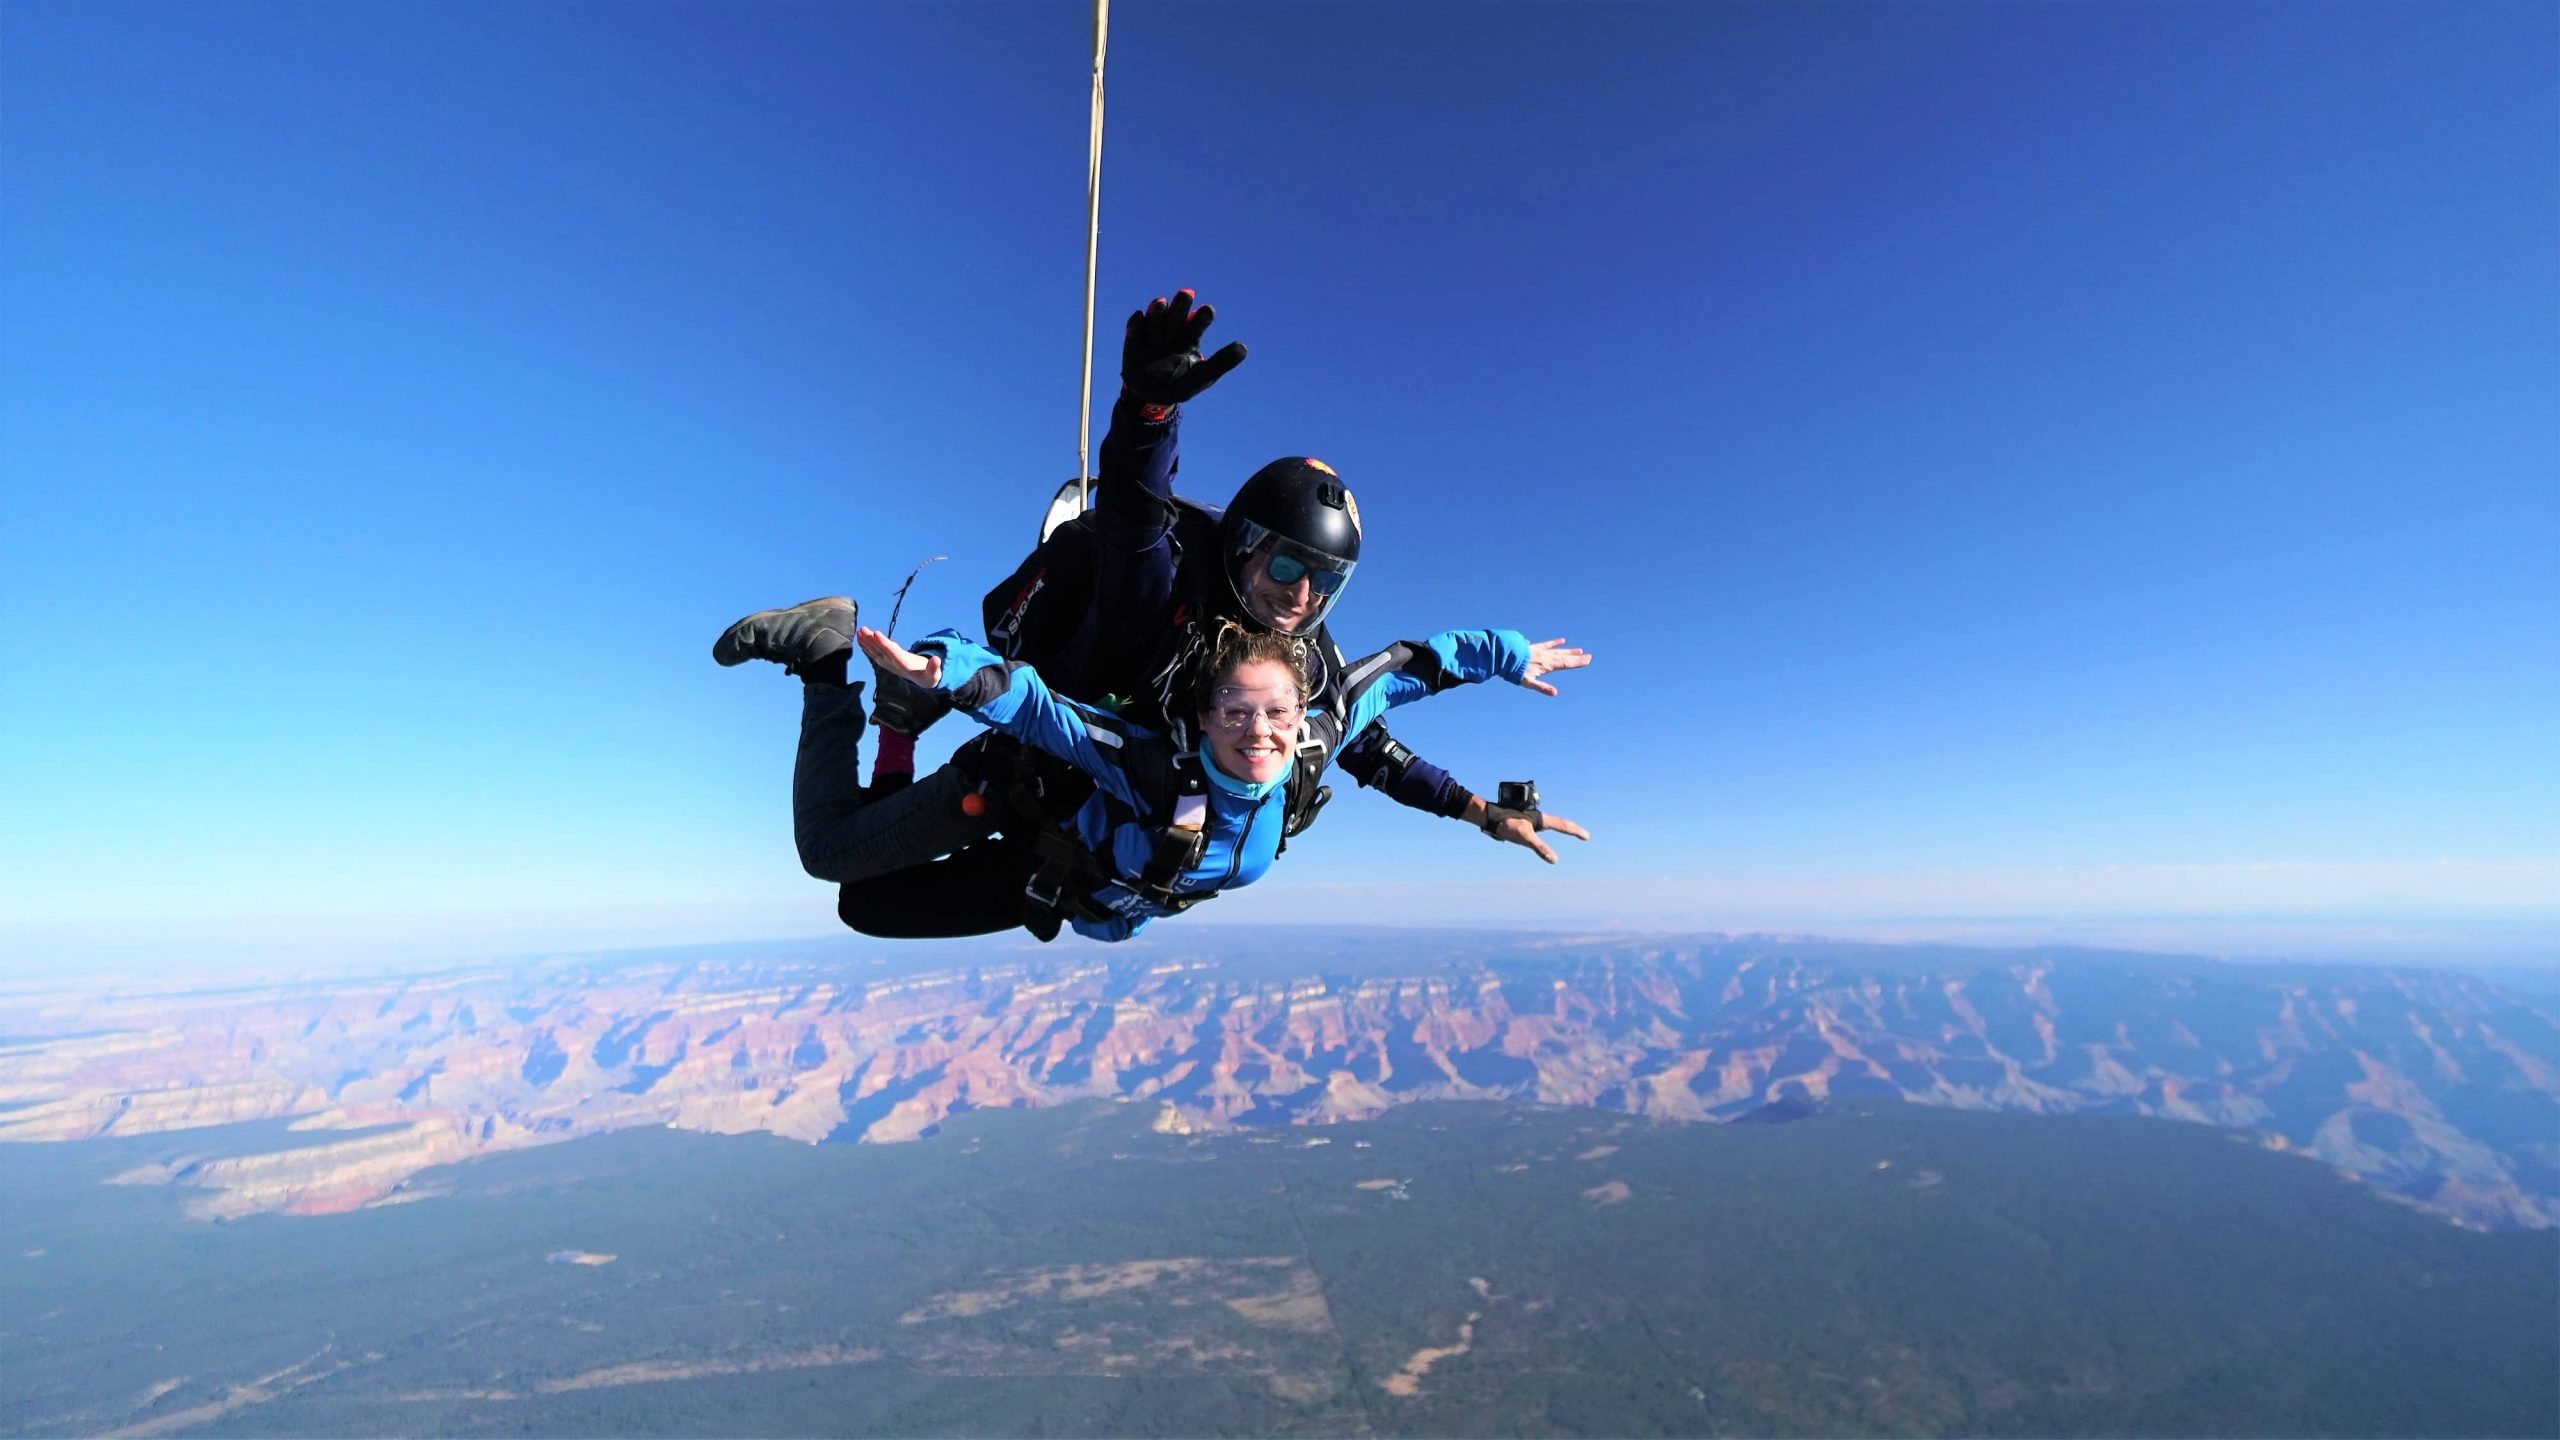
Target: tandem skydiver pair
1162, 693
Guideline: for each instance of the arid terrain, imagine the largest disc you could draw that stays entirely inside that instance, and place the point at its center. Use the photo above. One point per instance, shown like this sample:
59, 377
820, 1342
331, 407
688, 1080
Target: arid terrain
2439, 1089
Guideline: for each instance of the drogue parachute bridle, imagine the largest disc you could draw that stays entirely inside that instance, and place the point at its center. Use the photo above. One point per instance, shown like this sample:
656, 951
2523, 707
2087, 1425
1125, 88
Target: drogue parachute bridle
1092, 249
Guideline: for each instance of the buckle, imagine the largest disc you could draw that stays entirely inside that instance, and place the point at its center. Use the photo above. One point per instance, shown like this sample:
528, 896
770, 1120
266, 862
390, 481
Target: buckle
1055, 899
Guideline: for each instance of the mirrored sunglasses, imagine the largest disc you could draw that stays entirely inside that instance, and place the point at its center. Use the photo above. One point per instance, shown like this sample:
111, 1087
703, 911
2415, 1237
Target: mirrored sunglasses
1289, 570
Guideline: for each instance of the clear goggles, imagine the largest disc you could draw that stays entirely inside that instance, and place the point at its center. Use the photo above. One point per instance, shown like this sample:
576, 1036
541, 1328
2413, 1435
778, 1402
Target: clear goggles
1232, 709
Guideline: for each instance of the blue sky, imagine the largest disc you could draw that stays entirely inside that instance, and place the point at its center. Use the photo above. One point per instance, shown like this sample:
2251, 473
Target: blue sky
2013, 462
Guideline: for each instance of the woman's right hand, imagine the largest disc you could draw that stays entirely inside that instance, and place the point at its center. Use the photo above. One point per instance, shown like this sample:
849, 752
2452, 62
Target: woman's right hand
897, 659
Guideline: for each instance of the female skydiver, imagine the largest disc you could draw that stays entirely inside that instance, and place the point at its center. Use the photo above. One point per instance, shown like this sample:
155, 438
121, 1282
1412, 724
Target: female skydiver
869, 842
1167, 825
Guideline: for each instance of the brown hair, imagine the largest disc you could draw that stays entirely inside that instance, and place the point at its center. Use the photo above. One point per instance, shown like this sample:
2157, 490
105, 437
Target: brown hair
1234, 647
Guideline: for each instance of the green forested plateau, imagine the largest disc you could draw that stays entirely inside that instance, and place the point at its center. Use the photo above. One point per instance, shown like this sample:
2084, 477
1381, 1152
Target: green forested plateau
1448, 1269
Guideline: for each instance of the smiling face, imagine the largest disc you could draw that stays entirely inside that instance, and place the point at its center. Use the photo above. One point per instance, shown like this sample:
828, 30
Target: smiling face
1289, 609
1284, 584
1252, 720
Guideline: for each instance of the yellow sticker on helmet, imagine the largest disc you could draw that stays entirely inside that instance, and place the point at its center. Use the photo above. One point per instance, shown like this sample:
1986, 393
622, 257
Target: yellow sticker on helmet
1353, 506
1322, 468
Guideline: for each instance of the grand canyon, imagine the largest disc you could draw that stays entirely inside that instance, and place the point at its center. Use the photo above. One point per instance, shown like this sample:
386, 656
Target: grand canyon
2434, 1088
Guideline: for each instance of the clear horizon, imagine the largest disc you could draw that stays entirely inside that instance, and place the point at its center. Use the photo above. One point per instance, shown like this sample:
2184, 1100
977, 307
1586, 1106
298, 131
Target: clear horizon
2515, 946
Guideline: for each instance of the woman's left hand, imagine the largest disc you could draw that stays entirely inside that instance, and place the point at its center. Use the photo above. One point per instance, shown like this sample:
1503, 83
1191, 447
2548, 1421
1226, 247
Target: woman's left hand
897, 659
1550, 655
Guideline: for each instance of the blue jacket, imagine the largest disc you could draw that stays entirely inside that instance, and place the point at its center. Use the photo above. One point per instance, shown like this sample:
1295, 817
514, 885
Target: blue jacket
1119, 822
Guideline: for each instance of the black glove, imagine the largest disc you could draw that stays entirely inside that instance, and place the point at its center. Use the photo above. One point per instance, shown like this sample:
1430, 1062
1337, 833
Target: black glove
1160, 360
1517, 800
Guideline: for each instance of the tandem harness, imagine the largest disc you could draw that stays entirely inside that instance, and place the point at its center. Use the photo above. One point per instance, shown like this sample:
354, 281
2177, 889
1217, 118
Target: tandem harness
1168, 777
1066, 875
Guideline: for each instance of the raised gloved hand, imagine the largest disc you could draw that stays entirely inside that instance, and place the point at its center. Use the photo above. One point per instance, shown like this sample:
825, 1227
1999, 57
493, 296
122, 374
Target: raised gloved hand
1160, 361
1515, 818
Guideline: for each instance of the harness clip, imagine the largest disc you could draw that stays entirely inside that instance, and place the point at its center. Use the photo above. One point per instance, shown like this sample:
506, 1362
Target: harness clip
1055, 899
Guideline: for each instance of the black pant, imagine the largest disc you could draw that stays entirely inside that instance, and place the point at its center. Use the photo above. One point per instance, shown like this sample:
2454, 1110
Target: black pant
977, 890
843, 836
885, 853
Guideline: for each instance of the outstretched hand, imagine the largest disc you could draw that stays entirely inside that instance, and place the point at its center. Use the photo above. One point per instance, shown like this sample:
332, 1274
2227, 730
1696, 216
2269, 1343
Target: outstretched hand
1160, 360
897, 659
1551, 655
1518, 831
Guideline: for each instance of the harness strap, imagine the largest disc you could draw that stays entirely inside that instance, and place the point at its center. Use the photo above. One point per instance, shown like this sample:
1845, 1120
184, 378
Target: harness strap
1066, 874
1307, 797
1176, 848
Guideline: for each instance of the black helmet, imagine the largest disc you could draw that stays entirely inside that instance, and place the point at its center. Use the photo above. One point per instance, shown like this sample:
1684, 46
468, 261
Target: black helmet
1291, 538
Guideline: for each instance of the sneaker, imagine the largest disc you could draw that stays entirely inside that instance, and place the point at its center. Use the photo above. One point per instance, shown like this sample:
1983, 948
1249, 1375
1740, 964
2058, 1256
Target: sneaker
810, 631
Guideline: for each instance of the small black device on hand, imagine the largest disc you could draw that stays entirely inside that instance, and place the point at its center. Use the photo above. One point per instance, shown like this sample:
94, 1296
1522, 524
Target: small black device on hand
1513, 798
